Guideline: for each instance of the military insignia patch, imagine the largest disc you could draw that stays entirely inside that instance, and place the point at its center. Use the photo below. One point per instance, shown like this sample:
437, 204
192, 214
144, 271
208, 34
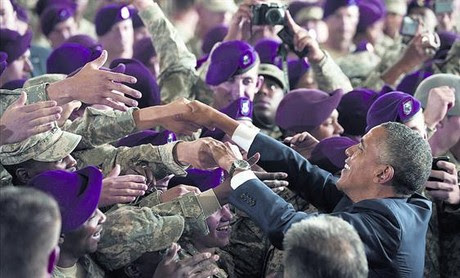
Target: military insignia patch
407, 107
124, 13
245, 107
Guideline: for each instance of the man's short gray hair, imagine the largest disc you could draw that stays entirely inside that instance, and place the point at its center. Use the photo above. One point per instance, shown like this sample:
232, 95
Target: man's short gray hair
324, 246
409, 155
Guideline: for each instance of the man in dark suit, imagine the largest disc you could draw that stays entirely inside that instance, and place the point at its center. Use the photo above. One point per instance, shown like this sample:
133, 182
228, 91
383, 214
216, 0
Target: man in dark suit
375, 193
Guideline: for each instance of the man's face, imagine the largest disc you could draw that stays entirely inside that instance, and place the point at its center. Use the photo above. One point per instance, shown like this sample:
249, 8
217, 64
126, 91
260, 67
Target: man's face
7, 15
84, 240
417, 123
392, 24
243, 85
68, 163
62, 31
374, 32
219, 229
18, 69
342, 24
362, 162
445, 21
267, 100
119, 39
329, 128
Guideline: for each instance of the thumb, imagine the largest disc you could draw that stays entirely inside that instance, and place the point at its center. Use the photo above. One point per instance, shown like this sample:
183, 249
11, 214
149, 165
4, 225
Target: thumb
115, 171
254, 159
21, 101
100, 61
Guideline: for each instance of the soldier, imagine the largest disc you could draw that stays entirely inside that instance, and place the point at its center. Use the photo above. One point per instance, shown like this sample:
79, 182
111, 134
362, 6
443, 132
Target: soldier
30, 223
144, 51
16, 46
396, 10
58, 23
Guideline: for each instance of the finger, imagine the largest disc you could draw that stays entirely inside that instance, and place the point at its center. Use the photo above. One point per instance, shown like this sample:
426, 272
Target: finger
115, 171
196, 259
436, 185
115, 105
171, 253
254, 159
121, 68
291, 23
53, 111
124, 90
448, 166
132, 178
121, 199
444, 176
44, 120
38, 106
40, 129
271, 175
438, 194
100, 61
276, 183
288, 140
127, 192
120, 77
21, 101
203, 265
190, 188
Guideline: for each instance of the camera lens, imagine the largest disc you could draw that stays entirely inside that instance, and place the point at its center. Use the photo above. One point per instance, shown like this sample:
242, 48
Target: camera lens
273, 17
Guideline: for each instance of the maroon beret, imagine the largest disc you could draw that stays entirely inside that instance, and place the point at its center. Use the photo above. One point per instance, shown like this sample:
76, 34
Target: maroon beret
305, 109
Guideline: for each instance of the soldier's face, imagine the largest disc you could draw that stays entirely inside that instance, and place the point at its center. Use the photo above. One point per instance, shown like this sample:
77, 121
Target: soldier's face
67, 163
84, 240
342, 24
219, 229
243, 85
18, 69
329, 128
119, 39
267, 100
62, 31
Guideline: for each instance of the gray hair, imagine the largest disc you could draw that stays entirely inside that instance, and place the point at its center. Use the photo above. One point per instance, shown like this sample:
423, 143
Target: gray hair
324, 246
409, 155
29, 229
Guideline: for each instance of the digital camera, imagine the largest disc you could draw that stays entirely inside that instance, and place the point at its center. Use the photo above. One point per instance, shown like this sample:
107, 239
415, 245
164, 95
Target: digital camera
268, 14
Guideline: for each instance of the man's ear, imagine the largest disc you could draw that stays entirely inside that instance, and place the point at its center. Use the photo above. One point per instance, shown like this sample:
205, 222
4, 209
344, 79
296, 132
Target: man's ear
383, 174
23, 175
260, 82
53, 258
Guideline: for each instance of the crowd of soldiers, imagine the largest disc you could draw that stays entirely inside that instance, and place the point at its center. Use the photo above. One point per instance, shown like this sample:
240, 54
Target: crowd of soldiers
222, 138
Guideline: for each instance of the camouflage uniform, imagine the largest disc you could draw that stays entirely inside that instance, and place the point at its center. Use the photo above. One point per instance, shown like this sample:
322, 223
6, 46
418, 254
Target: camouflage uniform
329, 76
177, 77
357, 66
452, 62
188, 250
92, 270
131, 231
273, 132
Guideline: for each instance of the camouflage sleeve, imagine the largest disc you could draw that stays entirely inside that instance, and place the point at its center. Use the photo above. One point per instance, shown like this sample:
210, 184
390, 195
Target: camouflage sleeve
452, 62
329, 76
177, 64
99, 127
131, 231
157, 158
34, 94
194, 208
45, 78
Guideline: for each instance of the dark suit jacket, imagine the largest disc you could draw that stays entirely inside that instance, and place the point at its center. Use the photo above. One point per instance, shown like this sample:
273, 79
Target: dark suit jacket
393, 230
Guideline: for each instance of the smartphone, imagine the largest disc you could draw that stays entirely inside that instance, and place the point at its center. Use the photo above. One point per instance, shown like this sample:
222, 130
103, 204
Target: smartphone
288, 38
409, 27
443, 6
435, 166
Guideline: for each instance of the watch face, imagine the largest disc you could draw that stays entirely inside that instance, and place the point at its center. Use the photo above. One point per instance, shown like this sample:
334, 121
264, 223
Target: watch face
242, 164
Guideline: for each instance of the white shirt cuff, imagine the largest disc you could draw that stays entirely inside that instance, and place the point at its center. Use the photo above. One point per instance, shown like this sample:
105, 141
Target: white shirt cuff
241, 178
244, 136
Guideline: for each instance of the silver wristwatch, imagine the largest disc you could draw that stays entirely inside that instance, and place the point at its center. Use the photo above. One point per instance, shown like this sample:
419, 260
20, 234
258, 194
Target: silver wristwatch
239, 165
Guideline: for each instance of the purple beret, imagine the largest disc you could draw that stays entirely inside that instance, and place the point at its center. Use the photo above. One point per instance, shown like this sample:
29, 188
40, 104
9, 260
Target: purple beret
54, 15
330, 6
21, 12
296, 69
203, 179
137, 21
411, 81
110, 15
88, 42
229, 59
268, 51
447, 40
240, 109
77, 193
329, 154
146, 82
305, 109
13, 44
3, 62
213, 36
143, 50
14, 84
43, 4
147, 137
392, 107
353, 110
67, 58
370, 11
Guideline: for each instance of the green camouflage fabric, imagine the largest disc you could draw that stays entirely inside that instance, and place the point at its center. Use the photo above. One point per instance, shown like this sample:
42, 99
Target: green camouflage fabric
99, 127
452, 62
357, 66
48, 146
45, 78
130, 231
177, 77
188, 250
194, 45
92, 270
273, 132
157, 158
34, 94
329, 76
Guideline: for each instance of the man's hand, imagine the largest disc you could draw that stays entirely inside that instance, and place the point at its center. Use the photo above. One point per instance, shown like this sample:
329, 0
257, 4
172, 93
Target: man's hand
446, 190
198, 266
274, 180
67, 110
240, 24
121, 189
303, 143
440, 100
91, 85
178, 191
20, 121
303, 39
